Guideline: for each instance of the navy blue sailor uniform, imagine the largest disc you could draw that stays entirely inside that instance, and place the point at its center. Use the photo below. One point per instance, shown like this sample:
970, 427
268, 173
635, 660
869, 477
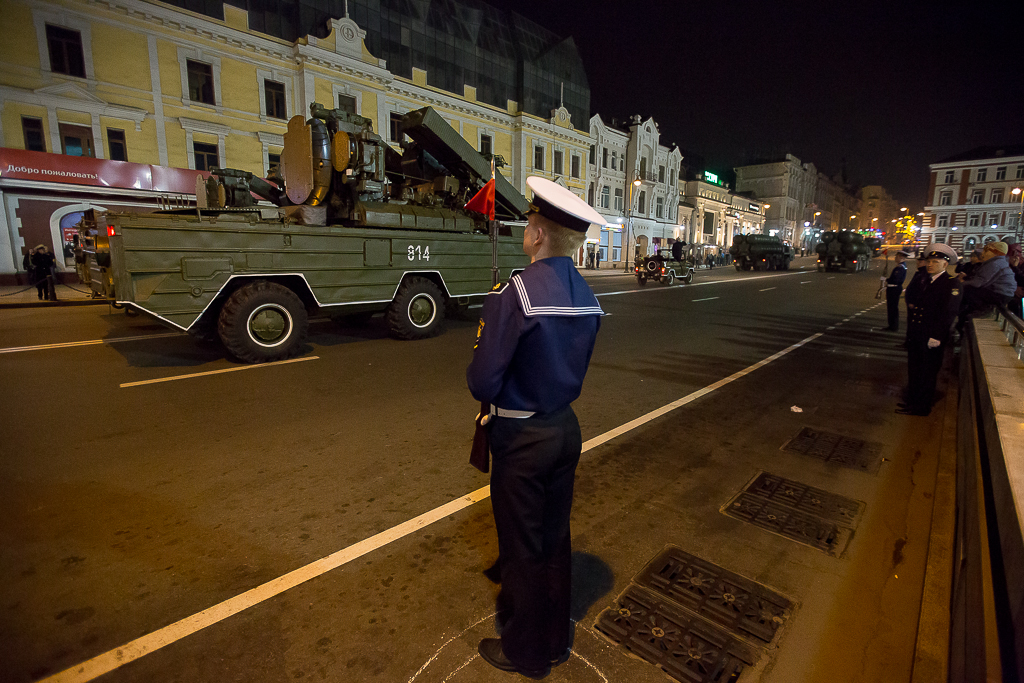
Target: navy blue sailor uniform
932, 305
533, 348
893, 290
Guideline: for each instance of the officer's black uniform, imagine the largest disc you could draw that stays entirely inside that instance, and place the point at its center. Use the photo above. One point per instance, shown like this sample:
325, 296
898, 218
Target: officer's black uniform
536, 337
932, 304
893, 290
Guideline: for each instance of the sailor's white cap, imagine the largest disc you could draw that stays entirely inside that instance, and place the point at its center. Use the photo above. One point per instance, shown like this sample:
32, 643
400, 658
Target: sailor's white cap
558, 204
941, 251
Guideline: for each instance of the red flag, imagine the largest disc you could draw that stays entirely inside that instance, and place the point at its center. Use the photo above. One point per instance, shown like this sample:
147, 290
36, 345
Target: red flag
483, 201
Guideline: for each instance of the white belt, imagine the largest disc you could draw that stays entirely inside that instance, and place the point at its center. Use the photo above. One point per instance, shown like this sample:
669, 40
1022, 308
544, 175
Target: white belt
517, 414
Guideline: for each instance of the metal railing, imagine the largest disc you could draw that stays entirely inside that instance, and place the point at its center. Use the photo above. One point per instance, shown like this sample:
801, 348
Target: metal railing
987, 602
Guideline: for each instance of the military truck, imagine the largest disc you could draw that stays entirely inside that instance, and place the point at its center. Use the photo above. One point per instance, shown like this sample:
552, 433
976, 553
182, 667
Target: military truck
350, 227
843, 249
760, 252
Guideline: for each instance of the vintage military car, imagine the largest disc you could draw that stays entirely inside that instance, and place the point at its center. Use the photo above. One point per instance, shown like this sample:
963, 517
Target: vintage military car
659, 268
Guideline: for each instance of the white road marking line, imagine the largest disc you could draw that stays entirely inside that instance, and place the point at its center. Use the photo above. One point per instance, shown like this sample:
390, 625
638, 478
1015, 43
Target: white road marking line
768, 289
806, 282
91, 342
831, 327
118, 657
695, 284
217, 372
833, 277
707, 299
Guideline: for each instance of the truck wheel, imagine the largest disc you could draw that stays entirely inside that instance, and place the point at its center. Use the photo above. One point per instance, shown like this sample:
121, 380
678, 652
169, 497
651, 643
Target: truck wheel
689, 277
262, 322
417, 310
668, 278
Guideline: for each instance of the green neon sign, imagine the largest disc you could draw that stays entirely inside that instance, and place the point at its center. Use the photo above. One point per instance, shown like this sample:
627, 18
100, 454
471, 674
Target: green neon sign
711, 177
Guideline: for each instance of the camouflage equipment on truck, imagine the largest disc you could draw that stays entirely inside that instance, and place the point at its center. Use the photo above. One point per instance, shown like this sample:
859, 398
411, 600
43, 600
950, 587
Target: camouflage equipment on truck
350, 227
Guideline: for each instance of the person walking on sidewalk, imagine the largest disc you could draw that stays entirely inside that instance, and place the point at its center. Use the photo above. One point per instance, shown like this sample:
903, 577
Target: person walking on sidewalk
931, 309
533, 347
44, 266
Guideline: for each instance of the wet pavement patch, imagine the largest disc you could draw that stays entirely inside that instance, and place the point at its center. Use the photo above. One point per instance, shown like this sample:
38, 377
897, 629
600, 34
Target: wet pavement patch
697, 622
836, 448
805, 514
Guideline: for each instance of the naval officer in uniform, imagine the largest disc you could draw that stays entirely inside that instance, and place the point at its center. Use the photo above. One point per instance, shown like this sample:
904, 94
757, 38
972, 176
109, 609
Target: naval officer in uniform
932, 306
893, 290
533, 347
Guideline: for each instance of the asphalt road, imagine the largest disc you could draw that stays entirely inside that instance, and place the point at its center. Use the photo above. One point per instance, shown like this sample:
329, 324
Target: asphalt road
133, 510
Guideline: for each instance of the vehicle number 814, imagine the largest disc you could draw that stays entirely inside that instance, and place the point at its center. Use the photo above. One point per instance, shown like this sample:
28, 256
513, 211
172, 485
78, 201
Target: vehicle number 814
419, 253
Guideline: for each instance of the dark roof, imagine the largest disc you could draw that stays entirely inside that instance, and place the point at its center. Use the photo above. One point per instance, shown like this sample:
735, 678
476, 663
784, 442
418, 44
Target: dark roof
989, 152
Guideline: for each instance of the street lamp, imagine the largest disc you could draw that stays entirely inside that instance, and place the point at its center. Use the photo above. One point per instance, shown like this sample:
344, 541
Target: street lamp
764, 225
850, 226
1020, 212
629, 219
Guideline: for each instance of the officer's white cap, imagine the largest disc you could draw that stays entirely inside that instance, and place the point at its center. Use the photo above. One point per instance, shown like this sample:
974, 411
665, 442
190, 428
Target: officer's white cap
941, 251
558, 204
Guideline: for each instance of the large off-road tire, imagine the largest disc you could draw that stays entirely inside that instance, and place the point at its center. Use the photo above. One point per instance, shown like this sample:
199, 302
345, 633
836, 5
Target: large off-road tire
668, 278
688, 278
417, 311
262, 322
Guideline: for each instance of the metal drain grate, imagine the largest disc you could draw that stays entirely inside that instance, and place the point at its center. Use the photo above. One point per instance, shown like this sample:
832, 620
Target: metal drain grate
842, 450
683, 645
732, 601
799, 512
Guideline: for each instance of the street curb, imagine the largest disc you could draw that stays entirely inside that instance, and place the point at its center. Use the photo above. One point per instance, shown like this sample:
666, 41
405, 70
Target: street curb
51, 304
931, 649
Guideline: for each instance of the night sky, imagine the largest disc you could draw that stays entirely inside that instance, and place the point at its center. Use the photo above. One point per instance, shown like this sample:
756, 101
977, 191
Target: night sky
885, 88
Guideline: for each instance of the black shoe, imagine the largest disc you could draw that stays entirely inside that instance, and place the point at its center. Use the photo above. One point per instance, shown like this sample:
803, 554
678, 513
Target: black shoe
562, 659
493, 573
490, 651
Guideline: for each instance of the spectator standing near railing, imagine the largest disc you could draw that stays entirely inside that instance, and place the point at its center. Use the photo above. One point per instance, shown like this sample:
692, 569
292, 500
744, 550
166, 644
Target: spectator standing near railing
992, 283
1015, 258
44, 265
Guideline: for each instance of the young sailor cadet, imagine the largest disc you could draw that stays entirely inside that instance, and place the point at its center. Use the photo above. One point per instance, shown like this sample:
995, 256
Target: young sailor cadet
533, 347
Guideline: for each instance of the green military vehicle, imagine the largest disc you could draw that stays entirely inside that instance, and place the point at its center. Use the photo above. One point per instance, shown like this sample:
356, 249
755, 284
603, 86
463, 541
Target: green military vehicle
844, 249
760, 252
351, 228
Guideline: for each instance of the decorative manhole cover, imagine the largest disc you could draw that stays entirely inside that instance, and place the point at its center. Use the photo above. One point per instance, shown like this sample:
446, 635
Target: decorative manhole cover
745, 608
842, 450
682, 644
817, 518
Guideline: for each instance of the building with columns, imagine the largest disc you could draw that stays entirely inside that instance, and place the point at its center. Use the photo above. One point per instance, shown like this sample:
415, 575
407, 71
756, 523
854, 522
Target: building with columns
156, 86
971, 198
633, 184
710, 215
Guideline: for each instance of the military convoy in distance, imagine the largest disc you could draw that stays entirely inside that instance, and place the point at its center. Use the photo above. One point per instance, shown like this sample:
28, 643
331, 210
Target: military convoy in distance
843, 249
351, 227
760, 252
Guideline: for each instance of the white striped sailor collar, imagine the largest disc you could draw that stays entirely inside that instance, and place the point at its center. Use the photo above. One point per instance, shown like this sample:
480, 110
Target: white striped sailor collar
530, 310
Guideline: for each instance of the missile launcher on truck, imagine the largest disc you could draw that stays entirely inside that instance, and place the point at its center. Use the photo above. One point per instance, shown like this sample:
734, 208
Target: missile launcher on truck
760, 252
352, 227
843, 249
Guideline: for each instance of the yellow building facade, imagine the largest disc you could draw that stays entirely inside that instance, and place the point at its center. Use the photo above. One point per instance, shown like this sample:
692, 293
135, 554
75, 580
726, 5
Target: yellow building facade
149, 83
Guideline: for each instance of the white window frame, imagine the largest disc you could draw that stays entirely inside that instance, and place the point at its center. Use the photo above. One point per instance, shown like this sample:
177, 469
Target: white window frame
558, 168
197, 55
575, 166
605, 196
543, 153
981, 175
264, 75
619, 201
221, 131
42, 17
269, 140
950, 177
974, 220
977, 196
943, 221
1000, 173
946, 198
339, 89
997, 196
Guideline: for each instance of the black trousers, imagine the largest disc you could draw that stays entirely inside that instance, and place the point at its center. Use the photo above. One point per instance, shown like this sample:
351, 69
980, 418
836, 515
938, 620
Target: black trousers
892, 301
533, 468
923, 365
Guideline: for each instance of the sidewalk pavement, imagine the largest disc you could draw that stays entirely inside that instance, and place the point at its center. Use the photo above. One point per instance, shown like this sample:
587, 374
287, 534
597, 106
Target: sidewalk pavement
26, 296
